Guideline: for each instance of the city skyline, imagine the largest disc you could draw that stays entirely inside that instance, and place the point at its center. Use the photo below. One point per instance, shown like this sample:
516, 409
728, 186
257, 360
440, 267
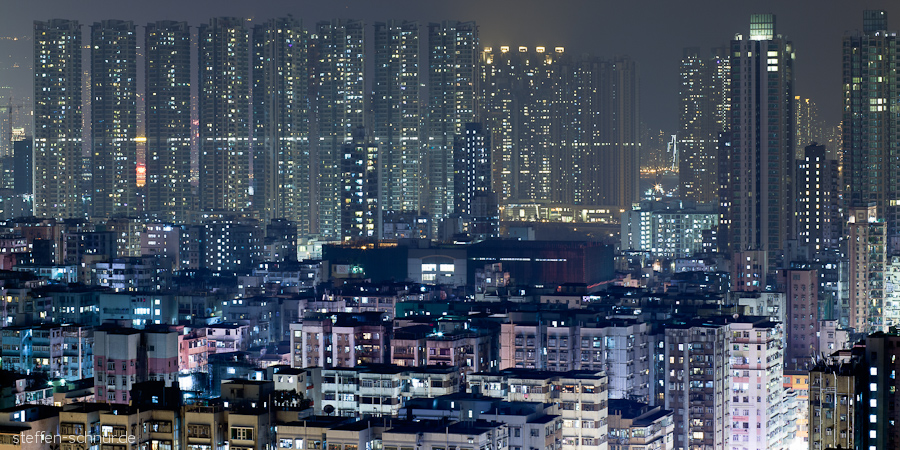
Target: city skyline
599, 29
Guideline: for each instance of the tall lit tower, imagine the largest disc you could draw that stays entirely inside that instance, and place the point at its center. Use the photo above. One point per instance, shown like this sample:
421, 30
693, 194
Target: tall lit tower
224, 115
167, 120
452, 71
871, 128
704, 88
518, 95
114, 118
281, 163
574, 101
340, 105
396, 109
57, 119
359, 189
762, 122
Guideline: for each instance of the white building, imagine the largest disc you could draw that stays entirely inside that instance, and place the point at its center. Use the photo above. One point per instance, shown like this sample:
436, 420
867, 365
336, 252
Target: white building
379, 390
582, 397
667, 229
757, 391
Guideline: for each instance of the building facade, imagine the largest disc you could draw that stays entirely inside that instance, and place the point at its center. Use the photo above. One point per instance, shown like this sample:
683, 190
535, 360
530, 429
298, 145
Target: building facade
762, 126
224, 113
281, 157
167, 119
59, 186
871, 129
114, 119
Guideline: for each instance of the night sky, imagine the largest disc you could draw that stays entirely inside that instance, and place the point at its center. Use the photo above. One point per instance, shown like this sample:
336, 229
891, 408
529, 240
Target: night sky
652, 32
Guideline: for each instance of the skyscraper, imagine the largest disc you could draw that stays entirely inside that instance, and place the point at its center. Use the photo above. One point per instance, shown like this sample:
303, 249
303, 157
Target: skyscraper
763, 138
114, 119
518, 87
871, 130
703, 105
57, 119
610, 162
817, 198
359, 188
281, 163
472, 167
397, 116
574, 101
339, 103
224, 107
167, 120
867, 254
452, 70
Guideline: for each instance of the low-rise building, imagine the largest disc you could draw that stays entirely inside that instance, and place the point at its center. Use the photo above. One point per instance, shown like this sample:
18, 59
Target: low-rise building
639, 426
582, 397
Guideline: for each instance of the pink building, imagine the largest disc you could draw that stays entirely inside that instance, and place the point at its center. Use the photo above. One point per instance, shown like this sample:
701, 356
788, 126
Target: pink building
193, 351
801, 317
124, 356
227, 337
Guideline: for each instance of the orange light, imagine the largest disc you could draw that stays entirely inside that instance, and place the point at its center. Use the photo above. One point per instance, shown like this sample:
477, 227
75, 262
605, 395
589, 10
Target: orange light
141, 175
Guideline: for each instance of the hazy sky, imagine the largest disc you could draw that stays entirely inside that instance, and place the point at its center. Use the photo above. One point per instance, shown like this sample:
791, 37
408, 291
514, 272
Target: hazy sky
652, 32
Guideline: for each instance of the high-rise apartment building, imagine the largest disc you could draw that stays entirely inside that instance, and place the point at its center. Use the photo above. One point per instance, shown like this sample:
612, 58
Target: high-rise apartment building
877, 397
281, 162
224, 94
340, 105
452, 83
762, 123
574, 98
698, 383
114, 119
517, 103
704, 104
610, 165
472, 170
58, 189
816, 182
832, 406
359, 211
566, 130
867, 251
871, 129
397, 114
167, 120
802, 318
757, 391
